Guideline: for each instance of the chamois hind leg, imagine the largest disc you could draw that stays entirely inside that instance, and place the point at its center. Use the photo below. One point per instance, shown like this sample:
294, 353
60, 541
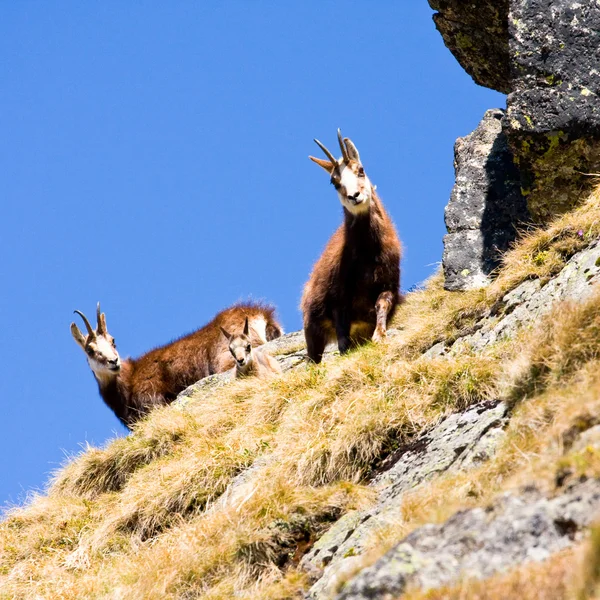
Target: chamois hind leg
315, 341
382, 308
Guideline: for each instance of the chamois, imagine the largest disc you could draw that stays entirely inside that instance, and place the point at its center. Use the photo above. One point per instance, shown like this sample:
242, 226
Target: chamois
353, 290
132, 387
249, 361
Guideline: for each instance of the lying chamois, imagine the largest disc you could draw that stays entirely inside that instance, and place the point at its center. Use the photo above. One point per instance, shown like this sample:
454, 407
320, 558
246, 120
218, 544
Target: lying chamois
132, 387
353, 290
250, 361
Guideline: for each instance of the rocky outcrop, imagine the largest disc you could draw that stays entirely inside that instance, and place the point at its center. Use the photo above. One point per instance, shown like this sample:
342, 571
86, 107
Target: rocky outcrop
545, 54
477, 34
485, 207
477, 543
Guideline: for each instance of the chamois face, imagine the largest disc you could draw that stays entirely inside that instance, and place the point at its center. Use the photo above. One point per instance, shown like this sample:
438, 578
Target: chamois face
348, 176
240, 347
99, 347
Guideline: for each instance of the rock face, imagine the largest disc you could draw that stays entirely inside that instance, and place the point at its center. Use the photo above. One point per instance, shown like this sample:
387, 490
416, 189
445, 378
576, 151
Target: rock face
485, 207
545, 54
553, 117
480, 542
476, 33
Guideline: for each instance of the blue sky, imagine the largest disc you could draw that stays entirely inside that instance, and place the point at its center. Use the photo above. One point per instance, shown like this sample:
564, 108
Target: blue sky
154, 157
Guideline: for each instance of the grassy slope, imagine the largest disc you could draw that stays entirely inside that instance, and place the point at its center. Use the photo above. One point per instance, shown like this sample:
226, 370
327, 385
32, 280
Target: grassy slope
144, 517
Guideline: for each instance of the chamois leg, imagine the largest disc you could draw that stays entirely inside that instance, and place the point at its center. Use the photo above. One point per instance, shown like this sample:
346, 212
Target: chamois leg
382, 308
341, 320
315, 341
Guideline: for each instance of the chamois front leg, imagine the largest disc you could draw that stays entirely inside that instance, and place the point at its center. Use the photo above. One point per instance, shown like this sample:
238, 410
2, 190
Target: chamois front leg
315, 341
342, 323
382, 308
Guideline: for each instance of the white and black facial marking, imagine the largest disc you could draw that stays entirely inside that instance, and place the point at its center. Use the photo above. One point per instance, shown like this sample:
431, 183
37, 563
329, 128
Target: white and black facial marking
353, 187
102, 356
241, 350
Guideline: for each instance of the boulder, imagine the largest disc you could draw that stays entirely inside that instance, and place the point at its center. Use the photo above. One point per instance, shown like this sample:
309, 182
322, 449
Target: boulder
486, 205
476, 32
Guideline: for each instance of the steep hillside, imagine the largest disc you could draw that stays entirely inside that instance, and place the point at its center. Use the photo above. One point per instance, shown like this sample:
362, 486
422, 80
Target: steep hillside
466, 446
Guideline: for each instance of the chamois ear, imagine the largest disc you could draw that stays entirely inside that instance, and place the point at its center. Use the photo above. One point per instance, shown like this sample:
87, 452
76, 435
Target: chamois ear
325, 164
77, 335
352, 151
226, 334
101, 320
246, 326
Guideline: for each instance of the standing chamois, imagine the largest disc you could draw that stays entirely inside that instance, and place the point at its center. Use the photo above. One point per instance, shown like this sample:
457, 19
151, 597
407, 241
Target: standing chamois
249, 361
132, 387
353, 290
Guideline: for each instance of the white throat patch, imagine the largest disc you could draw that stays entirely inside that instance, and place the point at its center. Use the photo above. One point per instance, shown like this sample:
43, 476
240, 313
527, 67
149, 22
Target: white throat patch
354, 191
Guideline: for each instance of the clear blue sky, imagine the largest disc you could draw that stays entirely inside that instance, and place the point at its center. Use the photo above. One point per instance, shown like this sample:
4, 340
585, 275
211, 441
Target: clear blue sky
154, 157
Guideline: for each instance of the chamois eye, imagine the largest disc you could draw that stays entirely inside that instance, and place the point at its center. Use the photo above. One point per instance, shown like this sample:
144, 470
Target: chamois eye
114, 344
90, 351
248, 348
361, 172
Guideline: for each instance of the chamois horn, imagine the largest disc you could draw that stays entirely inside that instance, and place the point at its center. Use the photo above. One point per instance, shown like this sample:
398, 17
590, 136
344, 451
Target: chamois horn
101, 320
87, 323
343, 146
329, 155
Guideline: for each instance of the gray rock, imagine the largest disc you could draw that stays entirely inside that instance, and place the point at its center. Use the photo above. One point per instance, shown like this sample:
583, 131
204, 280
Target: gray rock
476, 32
530, 300
515, 530
454, 443
485, 207
553, 114
545, 54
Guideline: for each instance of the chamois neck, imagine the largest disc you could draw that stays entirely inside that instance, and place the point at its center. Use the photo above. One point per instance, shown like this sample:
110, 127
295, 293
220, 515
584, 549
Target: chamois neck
247, 369
112, 388
369, 220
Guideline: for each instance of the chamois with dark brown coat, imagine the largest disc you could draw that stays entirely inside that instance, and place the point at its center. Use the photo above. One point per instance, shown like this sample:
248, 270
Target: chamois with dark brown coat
353, 290
132, 387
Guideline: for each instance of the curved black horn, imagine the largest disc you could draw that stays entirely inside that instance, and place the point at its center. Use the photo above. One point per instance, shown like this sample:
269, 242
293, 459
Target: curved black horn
327, 153
86, 322
343, 146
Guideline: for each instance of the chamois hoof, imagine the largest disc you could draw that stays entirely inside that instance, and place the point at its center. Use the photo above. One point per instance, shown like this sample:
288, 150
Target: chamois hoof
379, 336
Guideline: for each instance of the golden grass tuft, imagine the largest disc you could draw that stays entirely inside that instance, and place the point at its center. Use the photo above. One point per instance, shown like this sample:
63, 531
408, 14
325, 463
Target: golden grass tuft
552, 579
566, 339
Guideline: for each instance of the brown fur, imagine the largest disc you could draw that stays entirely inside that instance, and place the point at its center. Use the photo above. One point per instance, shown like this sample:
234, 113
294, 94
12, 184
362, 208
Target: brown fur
157, 377
353, 290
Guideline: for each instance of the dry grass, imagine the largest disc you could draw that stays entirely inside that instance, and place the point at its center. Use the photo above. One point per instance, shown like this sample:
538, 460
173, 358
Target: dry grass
154, 515
433, 315
552, 579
